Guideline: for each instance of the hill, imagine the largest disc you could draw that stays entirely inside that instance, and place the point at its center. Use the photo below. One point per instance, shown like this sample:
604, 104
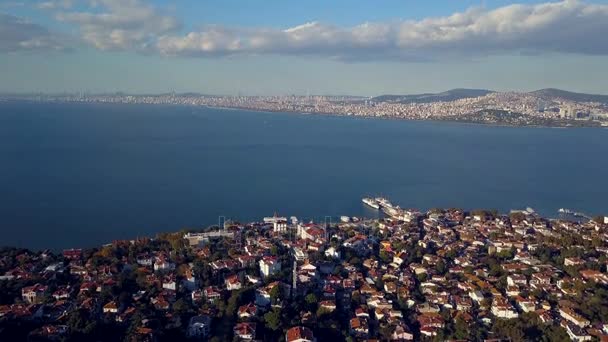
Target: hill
552, 93
450, 95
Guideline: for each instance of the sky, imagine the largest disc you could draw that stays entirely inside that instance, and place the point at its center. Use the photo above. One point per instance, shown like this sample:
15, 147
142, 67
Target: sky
278, 47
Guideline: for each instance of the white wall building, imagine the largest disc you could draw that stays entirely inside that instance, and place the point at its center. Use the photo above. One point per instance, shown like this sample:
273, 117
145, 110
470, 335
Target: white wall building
269, 266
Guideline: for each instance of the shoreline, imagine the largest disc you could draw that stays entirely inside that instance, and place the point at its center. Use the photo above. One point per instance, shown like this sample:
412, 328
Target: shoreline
270, 111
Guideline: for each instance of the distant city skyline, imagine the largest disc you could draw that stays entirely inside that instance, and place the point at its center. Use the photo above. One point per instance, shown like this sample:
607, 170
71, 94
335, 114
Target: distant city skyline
277, 48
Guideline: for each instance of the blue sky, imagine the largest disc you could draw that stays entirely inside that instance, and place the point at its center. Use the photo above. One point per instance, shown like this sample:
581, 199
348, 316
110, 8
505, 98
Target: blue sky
284, 47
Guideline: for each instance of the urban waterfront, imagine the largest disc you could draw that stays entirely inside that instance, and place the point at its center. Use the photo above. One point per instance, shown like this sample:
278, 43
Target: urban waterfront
78, 175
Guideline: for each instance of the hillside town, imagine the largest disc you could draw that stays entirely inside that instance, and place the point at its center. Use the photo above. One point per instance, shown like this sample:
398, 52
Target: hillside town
530, 109
440, 275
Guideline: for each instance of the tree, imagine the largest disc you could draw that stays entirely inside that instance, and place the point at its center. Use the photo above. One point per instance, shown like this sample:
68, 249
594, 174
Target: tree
275, 293
311, 301
181, 307
273, 319
441, 267
461, 329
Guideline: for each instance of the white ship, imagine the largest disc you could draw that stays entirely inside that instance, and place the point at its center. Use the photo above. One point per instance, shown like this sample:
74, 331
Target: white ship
392, 211
383, 202
371, 202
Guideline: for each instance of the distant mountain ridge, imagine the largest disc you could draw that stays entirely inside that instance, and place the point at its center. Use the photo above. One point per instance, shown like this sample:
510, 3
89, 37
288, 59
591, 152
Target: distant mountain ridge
462, 93
450, 95
549, 93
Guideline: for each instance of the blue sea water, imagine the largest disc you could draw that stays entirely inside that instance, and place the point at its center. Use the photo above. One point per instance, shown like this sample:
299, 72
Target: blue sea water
80, 175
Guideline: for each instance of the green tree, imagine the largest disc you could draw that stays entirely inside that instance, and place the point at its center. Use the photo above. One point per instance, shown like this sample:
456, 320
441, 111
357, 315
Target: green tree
273, 319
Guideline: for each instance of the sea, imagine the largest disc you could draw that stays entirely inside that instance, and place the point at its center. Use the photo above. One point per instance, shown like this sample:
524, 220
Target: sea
78, 175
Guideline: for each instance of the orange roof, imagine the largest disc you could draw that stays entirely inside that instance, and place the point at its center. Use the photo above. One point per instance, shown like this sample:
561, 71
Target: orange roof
297, 333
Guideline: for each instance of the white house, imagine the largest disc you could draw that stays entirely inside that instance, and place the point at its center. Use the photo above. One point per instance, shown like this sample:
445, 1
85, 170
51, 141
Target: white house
502, 309
332, 252
163, 265
269, 266
233, 283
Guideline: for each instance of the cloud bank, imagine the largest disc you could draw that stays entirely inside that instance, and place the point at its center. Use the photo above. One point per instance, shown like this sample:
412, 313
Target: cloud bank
121, 24
18, 34
568, 26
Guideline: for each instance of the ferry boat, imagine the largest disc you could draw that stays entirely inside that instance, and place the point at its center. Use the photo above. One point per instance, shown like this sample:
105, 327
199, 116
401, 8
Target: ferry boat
371, 202
392, 211
383, 202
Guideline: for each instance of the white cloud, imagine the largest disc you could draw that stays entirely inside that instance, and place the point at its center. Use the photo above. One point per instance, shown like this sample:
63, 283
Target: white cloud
568, 26
55, 4
121, 24
18, 34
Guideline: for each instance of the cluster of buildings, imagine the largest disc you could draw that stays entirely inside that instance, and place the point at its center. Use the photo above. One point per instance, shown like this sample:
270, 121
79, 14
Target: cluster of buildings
444, 274
528, 104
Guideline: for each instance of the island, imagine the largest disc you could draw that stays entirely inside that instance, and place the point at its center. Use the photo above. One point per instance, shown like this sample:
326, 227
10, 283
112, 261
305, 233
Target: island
442, 274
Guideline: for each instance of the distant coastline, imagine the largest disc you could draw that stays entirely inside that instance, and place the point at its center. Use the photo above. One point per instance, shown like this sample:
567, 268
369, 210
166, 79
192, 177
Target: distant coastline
498, 118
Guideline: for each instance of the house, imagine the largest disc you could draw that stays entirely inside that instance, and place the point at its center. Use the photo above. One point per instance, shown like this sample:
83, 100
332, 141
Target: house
63, 292
501, 308
540, 279
233, 283
575, 332
72, 254
477, 296
332, 252
430, 323
146, 334
269, 265
34, 293
464, 304
244, 331
110, 307
359, 327
52, 332
246, 260
145, 260
300, 334
212, 294
312, 233
526, 305
299, 254
328, 305
594, 275
573, 317
247, 311
169, 282
399, 258
162, 264
402, 333
573, 261
199, 326
516, 279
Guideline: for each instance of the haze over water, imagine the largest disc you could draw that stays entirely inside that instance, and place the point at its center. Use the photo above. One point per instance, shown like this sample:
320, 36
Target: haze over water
80, 175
